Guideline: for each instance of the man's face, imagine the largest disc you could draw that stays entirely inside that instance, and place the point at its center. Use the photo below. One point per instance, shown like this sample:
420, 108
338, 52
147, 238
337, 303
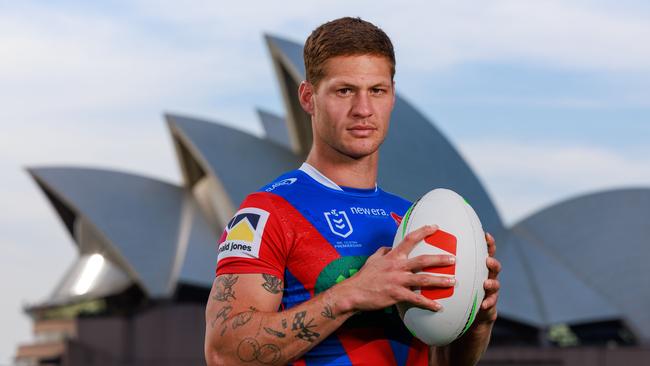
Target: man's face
351, 105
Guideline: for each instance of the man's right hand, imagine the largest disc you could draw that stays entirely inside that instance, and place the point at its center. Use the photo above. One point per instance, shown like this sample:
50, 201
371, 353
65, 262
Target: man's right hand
388, 277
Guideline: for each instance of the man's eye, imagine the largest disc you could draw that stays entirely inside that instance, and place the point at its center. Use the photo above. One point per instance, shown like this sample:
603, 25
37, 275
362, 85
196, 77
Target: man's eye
344, 91
378, 91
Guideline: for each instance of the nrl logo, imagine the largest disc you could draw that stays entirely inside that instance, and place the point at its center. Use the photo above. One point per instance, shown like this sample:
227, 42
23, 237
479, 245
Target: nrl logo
339, 223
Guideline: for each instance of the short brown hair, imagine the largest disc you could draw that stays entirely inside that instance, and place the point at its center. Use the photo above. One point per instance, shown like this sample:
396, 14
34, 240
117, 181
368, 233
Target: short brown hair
344, 37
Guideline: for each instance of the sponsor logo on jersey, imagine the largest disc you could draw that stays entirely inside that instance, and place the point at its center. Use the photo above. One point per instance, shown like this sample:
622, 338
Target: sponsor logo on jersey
284, 182
244, 234
368, 211
339, 223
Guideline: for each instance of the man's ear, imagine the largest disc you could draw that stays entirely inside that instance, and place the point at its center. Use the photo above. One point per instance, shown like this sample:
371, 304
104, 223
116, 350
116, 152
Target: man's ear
305, 94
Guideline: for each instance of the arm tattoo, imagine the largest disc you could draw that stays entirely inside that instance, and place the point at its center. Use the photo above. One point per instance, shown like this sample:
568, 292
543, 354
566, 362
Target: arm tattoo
223, 290
272, 284
250, 350
304, 330
242, 318
327, 312
222, 314
274, 332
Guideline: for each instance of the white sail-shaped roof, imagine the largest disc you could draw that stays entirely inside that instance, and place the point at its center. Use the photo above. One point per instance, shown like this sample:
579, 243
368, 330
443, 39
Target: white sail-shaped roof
145, 227
586, 258
275, 128
241, 162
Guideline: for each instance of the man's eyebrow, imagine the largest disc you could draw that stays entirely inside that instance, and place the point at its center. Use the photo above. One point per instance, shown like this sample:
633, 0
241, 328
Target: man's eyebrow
347, 84
382, 84
344, 84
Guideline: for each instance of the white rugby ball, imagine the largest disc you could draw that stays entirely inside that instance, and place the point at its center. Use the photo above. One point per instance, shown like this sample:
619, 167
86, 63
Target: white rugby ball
460, 233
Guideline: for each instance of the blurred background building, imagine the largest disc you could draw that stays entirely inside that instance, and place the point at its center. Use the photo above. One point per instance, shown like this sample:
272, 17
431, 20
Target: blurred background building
573, 287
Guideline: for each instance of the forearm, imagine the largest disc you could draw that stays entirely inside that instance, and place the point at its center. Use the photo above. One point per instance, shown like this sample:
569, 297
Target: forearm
467, 350
262, 338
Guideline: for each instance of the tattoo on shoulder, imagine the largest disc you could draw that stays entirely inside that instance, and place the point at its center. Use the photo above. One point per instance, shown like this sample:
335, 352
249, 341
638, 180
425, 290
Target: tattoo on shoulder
327, 312
272, 284
250, 350
223, 289
240, 319
304, 330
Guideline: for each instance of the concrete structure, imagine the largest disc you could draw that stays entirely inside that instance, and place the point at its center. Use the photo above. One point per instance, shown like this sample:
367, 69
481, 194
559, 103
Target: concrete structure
147, 248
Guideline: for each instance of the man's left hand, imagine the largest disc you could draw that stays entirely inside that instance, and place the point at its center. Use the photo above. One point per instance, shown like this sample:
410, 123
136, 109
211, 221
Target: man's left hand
488, 310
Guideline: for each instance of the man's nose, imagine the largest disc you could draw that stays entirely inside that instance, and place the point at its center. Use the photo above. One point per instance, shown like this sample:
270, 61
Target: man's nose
362, 106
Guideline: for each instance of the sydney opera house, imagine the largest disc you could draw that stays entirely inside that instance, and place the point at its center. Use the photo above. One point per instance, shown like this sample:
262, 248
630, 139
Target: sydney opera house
575, 284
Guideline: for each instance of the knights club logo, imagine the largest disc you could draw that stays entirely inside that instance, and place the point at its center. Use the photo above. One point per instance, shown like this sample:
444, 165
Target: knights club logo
339, 223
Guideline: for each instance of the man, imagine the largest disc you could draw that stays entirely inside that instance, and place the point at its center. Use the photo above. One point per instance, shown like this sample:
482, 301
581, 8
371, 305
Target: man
304, 275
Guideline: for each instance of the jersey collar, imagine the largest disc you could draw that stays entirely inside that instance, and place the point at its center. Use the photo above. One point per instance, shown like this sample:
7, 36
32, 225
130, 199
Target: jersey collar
322, 179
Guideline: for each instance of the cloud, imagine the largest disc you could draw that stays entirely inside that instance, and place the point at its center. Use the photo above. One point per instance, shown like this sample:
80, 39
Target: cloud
63, 61
524, 177
575, 35
439, 34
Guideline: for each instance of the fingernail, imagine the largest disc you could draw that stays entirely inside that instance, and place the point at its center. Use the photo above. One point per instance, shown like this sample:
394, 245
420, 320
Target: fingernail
451, 281
451, 259
437, 306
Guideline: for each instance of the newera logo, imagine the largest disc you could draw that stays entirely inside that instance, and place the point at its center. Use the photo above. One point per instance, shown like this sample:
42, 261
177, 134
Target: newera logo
368, 211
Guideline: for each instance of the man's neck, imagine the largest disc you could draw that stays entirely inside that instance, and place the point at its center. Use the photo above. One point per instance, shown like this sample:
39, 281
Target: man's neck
346, 171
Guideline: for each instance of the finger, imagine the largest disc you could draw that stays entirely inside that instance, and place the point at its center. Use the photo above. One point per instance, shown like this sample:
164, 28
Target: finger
494, 267
489, 238
421, 301
413, 238
427, 280
489, 301
382, 251
420, 262
491, 286
492, 247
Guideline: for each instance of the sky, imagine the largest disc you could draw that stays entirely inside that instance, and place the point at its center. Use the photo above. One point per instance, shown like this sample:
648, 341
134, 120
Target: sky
546, 100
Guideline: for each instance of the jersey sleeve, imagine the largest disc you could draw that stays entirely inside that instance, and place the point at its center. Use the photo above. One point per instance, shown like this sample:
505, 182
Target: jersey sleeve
254, 240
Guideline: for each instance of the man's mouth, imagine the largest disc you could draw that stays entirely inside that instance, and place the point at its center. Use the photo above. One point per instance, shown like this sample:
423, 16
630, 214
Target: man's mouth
362, 130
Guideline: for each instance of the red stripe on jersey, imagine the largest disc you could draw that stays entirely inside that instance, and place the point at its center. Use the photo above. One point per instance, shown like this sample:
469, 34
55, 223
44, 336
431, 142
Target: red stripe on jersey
274, 246
310, 252
300, 363
364, 346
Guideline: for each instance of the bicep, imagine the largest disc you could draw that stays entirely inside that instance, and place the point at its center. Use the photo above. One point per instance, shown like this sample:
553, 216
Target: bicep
233, 294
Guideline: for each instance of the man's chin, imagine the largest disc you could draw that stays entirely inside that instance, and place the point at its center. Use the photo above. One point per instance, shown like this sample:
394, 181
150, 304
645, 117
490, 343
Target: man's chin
361, 153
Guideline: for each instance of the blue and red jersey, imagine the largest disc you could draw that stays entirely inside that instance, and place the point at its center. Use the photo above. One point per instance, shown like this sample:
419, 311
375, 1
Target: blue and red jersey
313, 234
